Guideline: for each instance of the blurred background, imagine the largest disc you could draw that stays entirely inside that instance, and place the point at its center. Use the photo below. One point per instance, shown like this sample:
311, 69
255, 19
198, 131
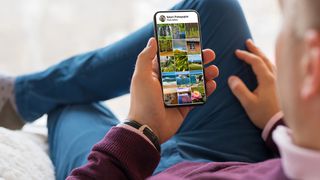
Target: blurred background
38, 33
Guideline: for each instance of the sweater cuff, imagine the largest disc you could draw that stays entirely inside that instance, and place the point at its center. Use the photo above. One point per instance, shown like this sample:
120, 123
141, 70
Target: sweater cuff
132, 151
130, 128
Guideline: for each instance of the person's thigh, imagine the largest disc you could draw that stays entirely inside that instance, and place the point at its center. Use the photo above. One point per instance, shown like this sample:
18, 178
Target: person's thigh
220, 130
73, 130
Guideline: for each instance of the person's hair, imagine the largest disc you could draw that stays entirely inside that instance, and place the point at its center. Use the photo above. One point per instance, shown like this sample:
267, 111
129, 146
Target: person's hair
305, 15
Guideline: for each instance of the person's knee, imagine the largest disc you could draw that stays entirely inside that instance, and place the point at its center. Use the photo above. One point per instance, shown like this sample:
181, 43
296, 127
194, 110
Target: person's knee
215, 3
61, 109
207, 3
80, 113
77, 107
208, 6
72, 108
62, 112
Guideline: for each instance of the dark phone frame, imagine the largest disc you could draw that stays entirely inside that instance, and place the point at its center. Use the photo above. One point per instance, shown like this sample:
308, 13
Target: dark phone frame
158, 56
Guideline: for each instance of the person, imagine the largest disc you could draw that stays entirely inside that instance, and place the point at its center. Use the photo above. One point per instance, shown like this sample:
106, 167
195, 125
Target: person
218, 140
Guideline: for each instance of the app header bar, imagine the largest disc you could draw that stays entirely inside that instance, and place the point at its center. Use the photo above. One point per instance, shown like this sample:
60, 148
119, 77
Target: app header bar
176, 17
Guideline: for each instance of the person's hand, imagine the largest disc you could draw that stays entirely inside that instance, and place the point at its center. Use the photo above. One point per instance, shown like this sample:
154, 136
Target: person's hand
263, 103
147, 106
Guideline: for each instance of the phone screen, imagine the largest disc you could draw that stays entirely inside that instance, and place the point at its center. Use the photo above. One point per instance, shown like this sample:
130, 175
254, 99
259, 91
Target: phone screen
180, 57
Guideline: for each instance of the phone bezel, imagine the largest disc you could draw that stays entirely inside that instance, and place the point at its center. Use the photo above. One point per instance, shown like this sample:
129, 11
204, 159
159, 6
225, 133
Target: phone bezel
158, 56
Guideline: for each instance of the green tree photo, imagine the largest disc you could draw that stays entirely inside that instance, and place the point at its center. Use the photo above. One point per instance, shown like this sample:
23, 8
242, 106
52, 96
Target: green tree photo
167, 64
182, 63
192, 30
179, 31
164, 32
165, 47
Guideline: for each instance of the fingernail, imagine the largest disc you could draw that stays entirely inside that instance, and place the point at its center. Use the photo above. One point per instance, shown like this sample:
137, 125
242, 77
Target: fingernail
250, 40
233, 82
149, 42
210, 85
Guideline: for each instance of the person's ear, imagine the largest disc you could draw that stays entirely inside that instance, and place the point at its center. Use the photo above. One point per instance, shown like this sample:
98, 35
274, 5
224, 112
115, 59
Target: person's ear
311, 66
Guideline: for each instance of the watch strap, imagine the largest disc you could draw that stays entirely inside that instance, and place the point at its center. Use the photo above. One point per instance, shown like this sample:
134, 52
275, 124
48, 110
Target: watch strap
146, 130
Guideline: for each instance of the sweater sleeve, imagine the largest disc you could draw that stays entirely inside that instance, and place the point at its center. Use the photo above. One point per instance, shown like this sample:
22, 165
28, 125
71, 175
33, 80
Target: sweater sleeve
121, 154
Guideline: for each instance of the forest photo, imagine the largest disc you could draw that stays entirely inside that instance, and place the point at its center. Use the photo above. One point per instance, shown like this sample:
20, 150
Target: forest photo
192, 30
165, 48
179, 31
167, 64
182, 63
164, 32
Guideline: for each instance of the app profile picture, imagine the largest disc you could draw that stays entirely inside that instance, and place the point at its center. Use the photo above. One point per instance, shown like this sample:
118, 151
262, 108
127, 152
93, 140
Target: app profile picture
162, 18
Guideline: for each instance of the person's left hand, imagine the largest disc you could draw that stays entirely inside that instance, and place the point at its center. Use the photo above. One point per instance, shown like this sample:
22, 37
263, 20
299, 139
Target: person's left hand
147, 106
263, 103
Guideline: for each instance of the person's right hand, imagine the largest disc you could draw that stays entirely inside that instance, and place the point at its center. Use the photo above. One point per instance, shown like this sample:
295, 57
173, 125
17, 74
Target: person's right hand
147, 107
263, 103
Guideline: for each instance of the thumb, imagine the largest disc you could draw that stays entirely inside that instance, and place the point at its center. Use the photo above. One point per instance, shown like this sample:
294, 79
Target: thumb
144, 61
240, 90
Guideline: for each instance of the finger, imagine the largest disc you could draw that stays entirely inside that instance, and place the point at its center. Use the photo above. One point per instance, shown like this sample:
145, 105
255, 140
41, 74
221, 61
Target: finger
256, 50
257, 64
211, 87
211, 72
240, 90
208, 56
155, 67
145, 58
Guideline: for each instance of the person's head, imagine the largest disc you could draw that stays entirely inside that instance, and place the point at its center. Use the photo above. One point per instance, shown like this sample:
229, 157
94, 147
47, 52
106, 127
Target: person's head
298, 62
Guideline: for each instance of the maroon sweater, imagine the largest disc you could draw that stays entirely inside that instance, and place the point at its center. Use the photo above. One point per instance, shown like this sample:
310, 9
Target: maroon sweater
123, 154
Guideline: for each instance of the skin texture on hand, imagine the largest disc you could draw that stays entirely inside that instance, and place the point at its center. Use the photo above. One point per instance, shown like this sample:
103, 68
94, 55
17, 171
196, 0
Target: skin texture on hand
147, 106
263, 103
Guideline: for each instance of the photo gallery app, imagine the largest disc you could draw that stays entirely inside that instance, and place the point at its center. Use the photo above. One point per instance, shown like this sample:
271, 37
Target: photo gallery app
181, 62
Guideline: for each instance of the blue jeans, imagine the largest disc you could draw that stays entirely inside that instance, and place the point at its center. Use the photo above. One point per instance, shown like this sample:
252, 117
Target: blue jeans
218, 131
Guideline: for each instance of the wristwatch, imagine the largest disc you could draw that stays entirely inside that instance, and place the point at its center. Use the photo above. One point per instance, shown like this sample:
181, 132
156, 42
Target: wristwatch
146, 130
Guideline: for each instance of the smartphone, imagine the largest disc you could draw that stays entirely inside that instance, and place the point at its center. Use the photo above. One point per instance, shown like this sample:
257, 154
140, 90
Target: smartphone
180, 58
